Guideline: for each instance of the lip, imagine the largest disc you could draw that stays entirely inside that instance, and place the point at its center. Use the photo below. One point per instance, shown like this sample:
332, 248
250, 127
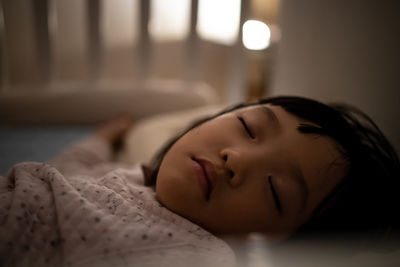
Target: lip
206, 175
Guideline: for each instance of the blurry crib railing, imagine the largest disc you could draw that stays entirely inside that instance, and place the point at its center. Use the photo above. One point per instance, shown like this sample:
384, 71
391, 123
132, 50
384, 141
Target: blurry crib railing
33, 90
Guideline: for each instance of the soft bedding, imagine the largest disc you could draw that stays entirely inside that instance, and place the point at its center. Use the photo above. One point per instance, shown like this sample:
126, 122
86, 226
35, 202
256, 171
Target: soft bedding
81, 210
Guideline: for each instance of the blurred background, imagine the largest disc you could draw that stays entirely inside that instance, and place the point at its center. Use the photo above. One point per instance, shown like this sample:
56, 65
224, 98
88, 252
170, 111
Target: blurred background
128, 40
56, 54
66, 64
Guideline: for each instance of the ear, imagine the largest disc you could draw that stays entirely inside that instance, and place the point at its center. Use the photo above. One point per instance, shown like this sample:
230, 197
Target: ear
148, 175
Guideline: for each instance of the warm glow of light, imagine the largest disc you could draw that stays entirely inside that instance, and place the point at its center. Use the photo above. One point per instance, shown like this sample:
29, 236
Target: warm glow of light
256, 35
169, 20
218, 20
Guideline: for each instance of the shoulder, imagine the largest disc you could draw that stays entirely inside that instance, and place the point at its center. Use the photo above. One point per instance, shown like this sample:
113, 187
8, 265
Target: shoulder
39, 170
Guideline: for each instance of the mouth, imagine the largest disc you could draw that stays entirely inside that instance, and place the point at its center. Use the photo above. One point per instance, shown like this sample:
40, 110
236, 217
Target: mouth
206, 176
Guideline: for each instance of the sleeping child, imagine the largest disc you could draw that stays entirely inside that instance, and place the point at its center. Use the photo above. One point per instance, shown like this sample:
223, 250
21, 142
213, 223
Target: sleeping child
283, 166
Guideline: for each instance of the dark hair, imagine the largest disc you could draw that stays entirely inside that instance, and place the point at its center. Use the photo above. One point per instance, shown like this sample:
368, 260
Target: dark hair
365, 202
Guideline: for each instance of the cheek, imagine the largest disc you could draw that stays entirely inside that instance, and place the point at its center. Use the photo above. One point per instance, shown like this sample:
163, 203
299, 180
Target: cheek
169, 178
244, 208
289, 194
170, 191
174, 165
175, 187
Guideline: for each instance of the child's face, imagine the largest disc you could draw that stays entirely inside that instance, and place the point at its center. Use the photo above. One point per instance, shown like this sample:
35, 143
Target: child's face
223, 176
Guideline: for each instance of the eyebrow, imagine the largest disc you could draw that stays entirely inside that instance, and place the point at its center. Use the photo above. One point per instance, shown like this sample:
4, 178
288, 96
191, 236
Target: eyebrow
270, 114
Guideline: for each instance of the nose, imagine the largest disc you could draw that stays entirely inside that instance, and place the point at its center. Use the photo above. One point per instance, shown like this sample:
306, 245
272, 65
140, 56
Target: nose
236, 163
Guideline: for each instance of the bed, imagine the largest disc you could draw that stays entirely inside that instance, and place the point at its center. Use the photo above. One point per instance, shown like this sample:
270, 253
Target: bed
62, 70
55, 88
43, 113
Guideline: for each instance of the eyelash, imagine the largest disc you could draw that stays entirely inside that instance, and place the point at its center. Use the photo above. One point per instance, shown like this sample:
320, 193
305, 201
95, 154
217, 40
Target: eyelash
275, 195
248, 131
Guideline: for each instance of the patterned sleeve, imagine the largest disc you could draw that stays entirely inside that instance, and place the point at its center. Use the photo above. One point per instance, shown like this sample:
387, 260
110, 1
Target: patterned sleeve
83, 156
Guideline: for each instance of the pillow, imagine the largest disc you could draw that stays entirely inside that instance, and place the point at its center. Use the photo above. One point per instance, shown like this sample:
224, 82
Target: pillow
150, 134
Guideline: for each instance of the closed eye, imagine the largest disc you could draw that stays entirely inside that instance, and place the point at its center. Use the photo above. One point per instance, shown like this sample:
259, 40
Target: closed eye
248, 131
275, 195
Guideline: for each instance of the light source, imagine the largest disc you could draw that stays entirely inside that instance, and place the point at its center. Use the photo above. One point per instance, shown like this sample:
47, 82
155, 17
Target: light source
256, 35
256, 38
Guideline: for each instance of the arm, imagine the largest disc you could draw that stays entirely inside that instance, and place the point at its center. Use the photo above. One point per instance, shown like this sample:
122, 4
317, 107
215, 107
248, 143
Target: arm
93, 150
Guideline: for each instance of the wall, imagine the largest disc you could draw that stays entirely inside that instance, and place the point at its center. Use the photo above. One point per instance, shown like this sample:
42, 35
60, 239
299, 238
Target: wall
346, 51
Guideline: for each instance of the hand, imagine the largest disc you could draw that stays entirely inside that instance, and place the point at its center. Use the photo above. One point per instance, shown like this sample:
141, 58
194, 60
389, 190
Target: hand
114, 130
